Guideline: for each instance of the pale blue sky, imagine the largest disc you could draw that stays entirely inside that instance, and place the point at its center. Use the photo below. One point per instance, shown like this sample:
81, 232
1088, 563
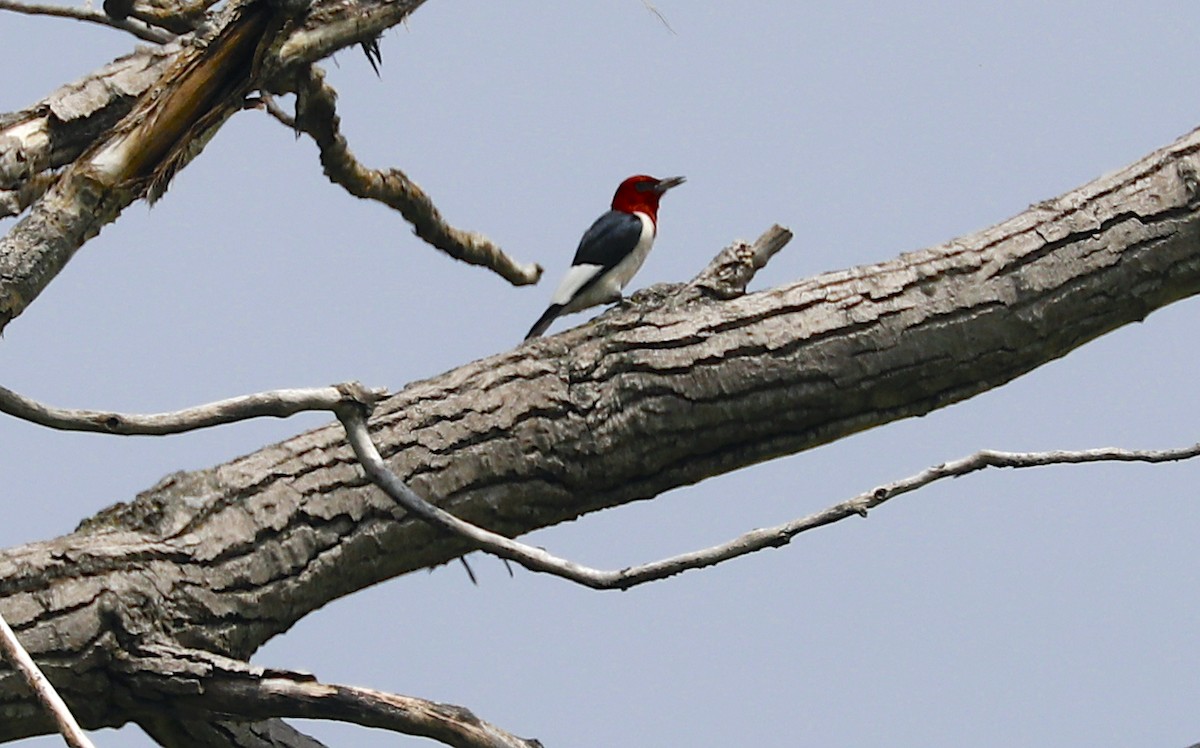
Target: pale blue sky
1051, 607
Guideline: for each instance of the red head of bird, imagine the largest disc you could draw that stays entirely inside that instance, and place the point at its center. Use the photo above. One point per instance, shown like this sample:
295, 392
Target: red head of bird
641, 193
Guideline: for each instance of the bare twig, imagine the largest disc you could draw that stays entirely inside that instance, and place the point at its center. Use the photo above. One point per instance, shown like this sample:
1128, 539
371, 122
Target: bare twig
230, 687
268, 104
20, 659
137, 28
276, 403
537, 559
650, 7
316, 115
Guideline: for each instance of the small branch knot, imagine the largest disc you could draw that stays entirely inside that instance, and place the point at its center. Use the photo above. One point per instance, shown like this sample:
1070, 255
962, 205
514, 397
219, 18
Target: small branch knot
727, 276
359, 394
1188, 174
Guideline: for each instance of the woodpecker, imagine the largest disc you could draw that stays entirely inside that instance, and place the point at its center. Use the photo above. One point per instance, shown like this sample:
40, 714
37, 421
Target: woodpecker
611, 251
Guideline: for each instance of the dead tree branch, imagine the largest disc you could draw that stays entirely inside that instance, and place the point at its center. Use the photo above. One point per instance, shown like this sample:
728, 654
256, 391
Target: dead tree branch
232, 688
274, 403
352, 402
214, 687
316, 115
199, 90
55, 131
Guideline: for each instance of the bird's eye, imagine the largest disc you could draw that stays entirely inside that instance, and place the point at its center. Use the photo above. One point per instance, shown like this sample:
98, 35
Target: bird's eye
644, 186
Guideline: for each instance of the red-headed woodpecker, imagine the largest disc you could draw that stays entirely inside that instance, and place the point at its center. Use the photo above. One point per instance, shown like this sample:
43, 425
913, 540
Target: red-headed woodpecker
611, 251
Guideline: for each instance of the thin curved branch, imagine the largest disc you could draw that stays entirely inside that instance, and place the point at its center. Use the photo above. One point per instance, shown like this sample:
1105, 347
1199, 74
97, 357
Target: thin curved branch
12, 651
226, 687
137, 28
316, 115
539, 560
658, 14
274, 403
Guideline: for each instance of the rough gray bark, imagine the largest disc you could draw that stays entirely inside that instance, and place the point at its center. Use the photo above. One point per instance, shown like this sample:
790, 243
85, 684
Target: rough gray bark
683, 383
274, 733
55, 131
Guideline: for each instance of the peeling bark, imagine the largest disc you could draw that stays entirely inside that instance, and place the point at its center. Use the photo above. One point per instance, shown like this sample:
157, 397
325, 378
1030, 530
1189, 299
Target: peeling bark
677, 385
55, 131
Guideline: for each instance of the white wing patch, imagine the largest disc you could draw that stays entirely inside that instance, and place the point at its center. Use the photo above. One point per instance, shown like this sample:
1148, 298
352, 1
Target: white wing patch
575, 279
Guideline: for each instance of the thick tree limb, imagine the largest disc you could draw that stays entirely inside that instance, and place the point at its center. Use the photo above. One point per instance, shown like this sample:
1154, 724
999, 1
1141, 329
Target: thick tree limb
316, 115
353, 403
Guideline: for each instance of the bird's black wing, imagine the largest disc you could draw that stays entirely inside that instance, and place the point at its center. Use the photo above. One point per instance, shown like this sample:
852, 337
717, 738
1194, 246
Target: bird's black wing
609, 240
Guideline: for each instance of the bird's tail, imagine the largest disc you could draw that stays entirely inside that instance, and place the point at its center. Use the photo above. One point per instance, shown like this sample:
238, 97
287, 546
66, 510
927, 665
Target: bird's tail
544, 321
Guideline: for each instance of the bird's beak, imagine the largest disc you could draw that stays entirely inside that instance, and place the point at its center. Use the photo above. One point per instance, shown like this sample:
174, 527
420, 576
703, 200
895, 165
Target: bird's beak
666, 184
